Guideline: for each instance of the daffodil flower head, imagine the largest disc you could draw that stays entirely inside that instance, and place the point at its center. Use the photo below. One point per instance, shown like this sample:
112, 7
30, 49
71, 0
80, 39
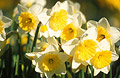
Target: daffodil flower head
59, 16
27, 18
103, 57
58, 20
41, 46
73, 30
104, 30
4, 23
51, 62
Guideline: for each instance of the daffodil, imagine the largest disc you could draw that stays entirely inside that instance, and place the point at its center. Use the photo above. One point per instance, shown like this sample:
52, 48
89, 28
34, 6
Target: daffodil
41, 46
73, 30
5, 22
29, 3
49, 62
102, 59
82, 50
28, 19
104, 30
75, 8
59, 18
44, 31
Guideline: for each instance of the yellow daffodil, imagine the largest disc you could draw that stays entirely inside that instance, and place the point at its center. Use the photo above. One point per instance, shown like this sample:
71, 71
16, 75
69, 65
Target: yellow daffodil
82, 50
73, 30
4, 23
50, 62
41, 46
75, 8
104, 30
59, 18
28, 18
102, 59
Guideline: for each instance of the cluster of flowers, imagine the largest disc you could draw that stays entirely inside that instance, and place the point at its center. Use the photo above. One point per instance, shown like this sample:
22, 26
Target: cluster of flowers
64, 38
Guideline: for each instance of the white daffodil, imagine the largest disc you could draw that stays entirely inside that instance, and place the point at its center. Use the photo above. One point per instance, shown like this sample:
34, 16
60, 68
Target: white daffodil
4, 23
43, 31
73, 30
41, 46
50, 62
28, 18
104, 30
82, 50
29, 3
102, 59
59, 18
75, 8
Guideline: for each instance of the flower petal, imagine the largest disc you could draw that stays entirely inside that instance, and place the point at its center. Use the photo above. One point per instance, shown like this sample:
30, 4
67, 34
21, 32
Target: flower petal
7, 21
115, 34
104, 23
70, 46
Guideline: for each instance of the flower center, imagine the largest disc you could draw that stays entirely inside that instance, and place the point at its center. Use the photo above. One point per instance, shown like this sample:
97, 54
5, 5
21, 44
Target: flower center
102, 33
86, 50
101, 59
43, 28
50, 62
58, 20
44, 47
69, 32
1, 27
27, 21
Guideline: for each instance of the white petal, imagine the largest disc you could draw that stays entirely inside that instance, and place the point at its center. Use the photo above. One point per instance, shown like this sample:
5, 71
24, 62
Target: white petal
96, 71
35, 9
91, 33
37, 68
104, 23
106, 69
91, 23
32, 32
1, 14
49, 74
115, 56
83, 18
75, 64
61, 69
115, 34
63, 56
21, 8
43, 17
7, 21
51, 48
41, 2
70, 46
52, 40
104, 44
3, 36
77, 19
30, 55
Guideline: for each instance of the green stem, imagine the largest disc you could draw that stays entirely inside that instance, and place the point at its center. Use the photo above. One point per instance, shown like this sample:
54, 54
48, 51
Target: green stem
82, 72
28, 43
34, 44
92, 71
103, 75
35, 38
110, 71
